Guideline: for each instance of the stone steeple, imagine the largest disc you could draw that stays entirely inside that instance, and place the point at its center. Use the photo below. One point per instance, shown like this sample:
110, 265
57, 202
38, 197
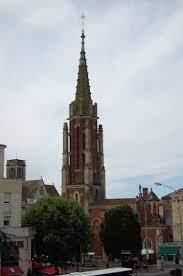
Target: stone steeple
83, 171
83, 105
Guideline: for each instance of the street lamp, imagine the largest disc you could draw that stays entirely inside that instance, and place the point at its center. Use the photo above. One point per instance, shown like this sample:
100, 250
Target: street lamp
180, 216
145, 225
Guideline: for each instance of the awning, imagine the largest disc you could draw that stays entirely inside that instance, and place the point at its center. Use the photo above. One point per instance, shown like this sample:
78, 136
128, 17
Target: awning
36, 265
49, 270
168, 250
11, 270
149, 251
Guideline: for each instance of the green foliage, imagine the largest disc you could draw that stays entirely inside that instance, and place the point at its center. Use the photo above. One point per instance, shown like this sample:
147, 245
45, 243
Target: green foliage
7, 249
62, 227
120, 230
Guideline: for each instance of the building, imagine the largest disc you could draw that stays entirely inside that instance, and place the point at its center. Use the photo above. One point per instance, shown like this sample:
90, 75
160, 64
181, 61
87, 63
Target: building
16, 168
16, 195
31, 190
10, 215
177, 215
167, 212
83, 171
173, 213
172, 204
154, 231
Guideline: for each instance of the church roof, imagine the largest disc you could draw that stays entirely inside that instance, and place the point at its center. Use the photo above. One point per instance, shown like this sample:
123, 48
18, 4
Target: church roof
113, 202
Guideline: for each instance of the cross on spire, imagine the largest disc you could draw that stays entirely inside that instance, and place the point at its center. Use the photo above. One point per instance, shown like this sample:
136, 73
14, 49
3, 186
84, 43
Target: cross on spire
82, 21
82, 35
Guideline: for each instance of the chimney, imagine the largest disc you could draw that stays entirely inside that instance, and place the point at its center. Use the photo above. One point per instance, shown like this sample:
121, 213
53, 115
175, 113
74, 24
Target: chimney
2, 147
145, 192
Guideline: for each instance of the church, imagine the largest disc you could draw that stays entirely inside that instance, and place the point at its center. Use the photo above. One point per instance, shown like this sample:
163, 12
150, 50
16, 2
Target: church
83, 170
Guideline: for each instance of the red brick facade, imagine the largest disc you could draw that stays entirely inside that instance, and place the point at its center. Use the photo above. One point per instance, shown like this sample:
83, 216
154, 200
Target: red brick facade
153, 228
83, 172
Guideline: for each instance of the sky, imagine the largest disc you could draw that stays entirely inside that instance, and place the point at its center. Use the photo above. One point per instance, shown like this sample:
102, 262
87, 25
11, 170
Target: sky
135, 63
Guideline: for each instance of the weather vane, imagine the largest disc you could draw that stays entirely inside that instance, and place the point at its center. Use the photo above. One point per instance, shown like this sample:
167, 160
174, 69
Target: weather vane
82, 21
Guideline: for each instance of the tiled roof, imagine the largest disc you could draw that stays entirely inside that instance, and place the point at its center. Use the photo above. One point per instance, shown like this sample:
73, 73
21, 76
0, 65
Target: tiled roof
170, 194
29, 188
153, 196
116, 201
51, 190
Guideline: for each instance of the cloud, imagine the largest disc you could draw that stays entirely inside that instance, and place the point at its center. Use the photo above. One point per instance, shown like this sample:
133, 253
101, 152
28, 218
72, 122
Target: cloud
135, 63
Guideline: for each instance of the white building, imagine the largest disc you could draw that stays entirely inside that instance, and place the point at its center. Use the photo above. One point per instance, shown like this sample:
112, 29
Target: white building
10, 215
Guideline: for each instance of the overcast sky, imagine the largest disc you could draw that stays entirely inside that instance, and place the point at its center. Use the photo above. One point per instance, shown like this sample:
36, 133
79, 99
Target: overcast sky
135, 62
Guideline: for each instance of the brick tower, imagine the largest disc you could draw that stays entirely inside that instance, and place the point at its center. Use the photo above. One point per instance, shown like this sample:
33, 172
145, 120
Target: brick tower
83, 172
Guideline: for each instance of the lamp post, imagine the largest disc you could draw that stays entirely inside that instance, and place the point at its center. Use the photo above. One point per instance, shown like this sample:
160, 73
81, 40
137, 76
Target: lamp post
180, 216
145, 226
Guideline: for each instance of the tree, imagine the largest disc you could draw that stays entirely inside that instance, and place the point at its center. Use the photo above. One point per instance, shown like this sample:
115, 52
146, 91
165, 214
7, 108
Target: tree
62, 227
8, 250
120, 230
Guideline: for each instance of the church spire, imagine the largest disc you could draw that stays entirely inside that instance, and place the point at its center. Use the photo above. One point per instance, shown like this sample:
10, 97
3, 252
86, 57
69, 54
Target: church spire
83, 105
83, 88
82, 35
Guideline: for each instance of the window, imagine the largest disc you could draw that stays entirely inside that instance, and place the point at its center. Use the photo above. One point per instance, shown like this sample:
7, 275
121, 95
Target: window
20, 244
7, 197
78, 147
76, 196
96, 194
147, 243
41, 190
179, 228
96, 227
7, 220
12, 173
83, 159
70, 146
7, 203
83, 141
19, 172
94, 178
7, 208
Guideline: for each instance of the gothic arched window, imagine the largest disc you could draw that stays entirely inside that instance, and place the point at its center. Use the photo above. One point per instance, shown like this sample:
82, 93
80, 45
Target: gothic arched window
96, 194
78, 147
96, 227
83, 159
83, 141
76, 196
147, 243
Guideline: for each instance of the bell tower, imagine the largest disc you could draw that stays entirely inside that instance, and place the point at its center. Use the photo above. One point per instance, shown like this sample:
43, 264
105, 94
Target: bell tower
83, 171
